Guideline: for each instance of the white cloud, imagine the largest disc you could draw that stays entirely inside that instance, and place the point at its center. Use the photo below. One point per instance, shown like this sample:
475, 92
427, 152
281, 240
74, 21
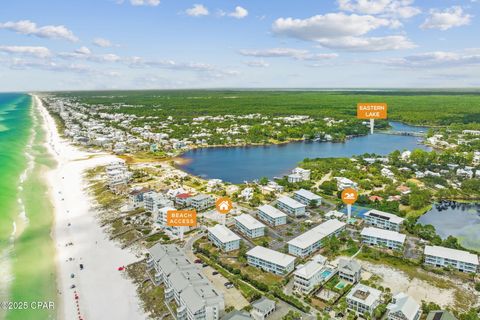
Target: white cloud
436, 59
287, 53
101, 42
239, 13
197, 10
330, 25
390, 8
446, 19
83, 50
342, 31
151, 3
257, 64
38, 52
85, 53
368, 44
28, 27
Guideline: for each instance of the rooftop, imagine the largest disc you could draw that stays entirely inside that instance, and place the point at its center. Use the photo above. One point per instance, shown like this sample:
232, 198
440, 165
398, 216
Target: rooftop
291, 202
316, 234
272, 211
405, 305
364, 294
249, 222
383, 234
223, 233
270, 255
385, 216
307, 194
451, 254
308, 270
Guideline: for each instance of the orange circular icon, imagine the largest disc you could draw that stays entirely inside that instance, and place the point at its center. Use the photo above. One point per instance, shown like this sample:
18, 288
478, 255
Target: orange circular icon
349, 196
224, 205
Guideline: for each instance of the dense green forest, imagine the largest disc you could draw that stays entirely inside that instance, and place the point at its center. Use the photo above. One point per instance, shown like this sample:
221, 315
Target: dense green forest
416, 107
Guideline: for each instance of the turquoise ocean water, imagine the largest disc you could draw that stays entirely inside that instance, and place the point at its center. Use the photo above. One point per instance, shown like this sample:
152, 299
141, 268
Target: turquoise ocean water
27, 269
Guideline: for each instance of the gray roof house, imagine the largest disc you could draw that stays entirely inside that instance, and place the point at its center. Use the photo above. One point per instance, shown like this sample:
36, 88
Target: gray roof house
350, 270
262, 308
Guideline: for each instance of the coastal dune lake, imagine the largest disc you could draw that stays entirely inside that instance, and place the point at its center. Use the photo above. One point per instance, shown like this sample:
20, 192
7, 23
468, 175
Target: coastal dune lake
461, 220
239, 164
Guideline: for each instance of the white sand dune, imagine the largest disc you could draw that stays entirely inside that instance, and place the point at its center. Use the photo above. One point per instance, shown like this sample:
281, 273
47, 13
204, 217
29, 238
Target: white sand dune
103, 291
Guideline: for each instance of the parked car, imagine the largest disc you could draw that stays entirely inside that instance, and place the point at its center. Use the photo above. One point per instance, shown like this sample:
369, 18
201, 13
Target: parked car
215, 273
81, 266
198, 261
228, 285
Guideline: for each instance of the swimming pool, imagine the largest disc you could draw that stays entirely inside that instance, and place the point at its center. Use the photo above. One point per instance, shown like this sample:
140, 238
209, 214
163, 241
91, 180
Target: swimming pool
341, 284
326, 273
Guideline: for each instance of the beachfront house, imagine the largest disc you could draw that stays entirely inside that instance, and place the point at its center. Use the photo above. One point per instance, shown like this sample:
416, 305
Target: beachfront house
464, 261
383, 220
363, 299
202, 202
249, 226
184, 284
270, 260
403, 307
307, 198
154, 201
135, 198
183, 199
383, 238
312, 240
262, 308
291, 207
223, 238
271, 215
349, 270
298, 175
307, 277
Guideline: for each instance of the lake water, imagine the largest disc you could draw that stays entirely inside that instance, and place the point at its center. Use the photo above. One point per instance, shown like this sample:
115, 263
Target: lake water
239, 164
461, 220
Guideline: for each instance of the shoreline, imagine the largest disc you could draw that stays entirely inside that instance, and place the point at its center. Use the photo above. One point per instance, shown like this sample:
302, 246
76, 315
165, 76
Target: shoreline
79, 239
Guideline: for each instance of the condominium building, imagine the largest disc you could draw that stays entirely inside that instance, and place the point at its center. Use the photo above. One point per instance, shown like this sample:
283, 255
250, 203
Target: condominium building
272, 215
343, 183
184, 284
307, 198
249, 226
363, 299
307, 276
312, 240
223, 238
383, 220
291, 207
270, 260
383, 238
202, 202
403, 307
464, 261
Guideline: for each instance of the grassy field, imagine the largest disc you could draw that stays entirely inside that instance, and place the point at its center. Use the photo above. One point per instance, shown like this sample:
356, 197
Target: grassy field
417, 107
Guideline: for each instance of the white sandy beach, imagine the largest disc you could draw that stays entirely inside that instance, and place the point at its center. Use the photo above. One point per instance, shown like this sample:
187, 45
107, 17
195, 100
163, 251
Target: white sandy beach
103, 291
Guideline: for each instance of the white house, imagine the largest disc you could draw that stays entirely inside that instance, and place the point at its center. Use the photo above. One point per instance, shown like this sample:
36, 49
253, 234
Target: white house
223, 238
343, 183
271, 215
299, 174
363, 299
403, 307
247, 194
464, 261
270, 260
307, 276
383, 238
349, 269
249, 226
202, 202
306, 197
291, 207
262, 308
383, 220
312, 240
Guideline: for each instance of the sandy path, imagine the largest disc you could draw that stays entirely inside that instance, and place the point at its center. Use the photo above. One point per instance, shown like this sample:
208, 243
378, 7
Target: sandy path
103, 292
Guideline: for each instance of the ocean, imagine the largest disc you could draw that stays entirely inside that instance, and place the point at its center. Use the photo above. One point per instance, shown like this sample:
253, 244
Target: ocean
27, 252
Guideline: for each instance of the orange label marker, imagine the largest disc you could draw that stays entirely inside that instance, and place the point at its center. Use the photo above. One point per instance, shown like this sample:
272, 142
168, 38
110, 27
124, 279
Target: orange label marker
224, 205
349, 196
372, 111
181, 218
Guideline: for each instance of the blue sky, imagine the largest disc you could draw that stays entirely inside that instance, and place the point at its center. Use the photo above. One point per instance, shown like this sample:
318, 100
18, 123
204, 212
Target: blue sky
135, 44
